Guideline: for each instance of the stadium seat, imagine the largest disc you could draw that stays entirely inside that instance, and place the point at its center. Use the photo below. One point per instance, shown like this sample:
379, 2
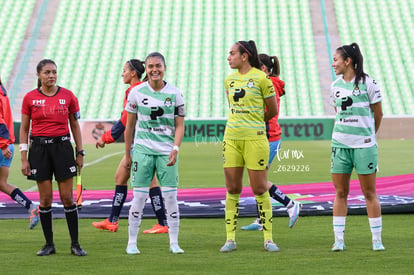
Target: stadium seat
91, 40
385, 36
12, 29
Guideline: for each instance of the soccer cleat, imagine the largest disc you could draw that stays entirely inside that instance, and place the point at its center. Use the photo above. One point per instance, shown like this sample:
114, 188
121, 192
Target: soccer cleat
132, 249
229, 246
377, 245
34, 217
175, 249
339, 245
293, 212
254, 226
156, 229
77, 250
46, 250
270, 246
106, 225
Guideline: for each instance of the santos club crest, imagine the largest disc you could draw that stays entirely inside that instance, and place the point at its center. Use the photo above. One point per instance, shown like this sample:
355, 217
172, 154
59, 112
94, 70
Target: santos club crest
168, 102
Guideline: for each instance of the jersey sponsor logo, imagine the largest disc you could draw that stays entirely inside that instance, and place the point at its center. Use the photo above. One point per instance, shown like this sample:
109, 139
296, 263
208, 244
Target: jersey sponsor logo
62, 101
168, 102
348, 120
38, 102
250, 83
157, 129
235, 111
346, 102
337, 93
240, 93
238, 104
156, 112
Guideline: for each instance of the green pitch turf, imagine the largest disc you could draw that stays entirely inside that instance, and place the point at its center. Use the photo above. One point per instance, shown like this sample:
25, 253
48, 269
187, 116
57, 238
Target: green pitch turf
305, 249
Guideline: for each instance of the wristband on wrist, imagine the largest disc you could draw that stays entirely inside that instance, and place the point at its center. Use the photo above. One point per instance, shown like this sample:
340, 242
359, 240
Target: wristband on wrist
176, 148
23, 147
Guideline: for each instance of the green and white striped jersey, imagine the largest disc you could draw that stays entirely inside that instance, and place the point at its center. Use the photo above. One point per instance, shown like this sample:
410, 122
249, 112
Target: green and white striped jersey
155, 126
354, 125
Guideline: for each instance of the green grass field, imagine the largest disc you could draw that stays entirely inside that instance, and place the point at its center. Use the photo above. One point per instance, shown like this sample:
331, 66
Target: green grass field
305, 249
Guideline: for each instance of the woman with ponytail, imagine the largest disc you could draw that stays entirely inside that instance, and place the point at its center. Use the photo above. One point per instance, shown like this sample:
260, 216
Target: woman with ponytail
131, 74
46, 112
252, 102
356, 98
271, 67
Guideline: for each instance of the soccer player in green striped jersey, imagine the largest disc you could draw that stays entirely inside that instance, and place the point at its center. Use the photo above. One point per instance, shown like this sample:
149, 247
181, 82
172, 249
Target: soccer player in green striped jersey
156, 110
249, 91
356, 98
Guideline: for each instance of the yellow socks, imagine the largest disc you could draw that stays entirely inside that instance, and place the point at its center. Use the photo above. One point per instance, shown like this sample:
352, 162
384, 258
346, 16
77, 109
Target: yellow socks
232, 212
265, 211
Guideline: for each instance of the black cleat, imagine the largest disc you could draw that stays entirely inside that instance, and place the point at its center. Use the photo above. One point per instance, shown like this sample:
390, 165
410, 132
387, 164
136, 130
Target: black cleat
47, 250
77, 250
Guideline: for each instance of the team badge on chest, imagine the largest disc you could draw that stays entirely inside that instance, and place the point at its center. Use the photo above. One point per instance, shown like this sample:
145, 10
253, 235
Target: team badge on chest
168, 102
250, 83
356, 91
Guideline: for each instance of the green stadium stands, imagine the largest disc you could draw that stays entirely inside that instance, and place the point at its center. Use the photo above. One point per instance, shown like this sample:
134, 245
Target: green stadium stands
91, 40
13, 22
385, 32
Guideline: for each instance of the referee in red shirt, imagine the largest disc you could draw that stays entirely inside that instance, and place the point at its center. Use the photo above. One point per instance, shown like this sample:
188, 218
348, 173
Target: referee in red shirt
49, 108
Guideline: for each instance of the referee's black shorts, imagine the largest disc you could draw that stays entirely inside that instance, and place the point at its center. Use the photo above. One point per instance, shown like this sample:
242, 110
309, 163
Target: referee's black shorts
51, 156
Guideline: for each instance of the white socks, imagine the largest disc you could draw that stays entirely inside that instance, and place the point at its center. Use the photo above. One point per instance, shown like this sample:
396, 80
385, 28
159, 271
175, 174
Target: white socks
172, 212
339, 227
135, 213
376, 228
374, 223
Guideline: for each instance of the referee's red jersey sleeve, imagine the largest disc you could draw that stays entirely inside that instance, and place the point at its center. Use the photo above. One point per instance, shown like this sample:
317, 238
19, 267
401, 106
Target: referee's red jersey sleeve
74, 105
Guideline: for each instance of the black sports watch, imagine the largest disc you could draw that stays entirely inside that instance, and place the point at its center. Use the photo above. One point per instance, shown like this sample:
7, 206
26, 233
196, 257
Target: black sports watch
81, 152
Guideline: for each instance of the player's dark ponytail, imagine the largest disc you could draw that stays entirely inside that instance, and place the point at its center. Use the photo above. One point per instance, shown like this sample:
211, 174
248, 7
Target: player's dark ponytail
354, 53
137, 66
271, 63
39, 68
249, 47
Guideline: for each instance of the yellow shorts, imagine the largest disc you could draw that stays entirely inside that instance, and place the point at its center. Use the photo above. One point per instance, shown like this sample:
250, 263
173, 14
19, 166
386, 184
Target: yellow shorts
254, 154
